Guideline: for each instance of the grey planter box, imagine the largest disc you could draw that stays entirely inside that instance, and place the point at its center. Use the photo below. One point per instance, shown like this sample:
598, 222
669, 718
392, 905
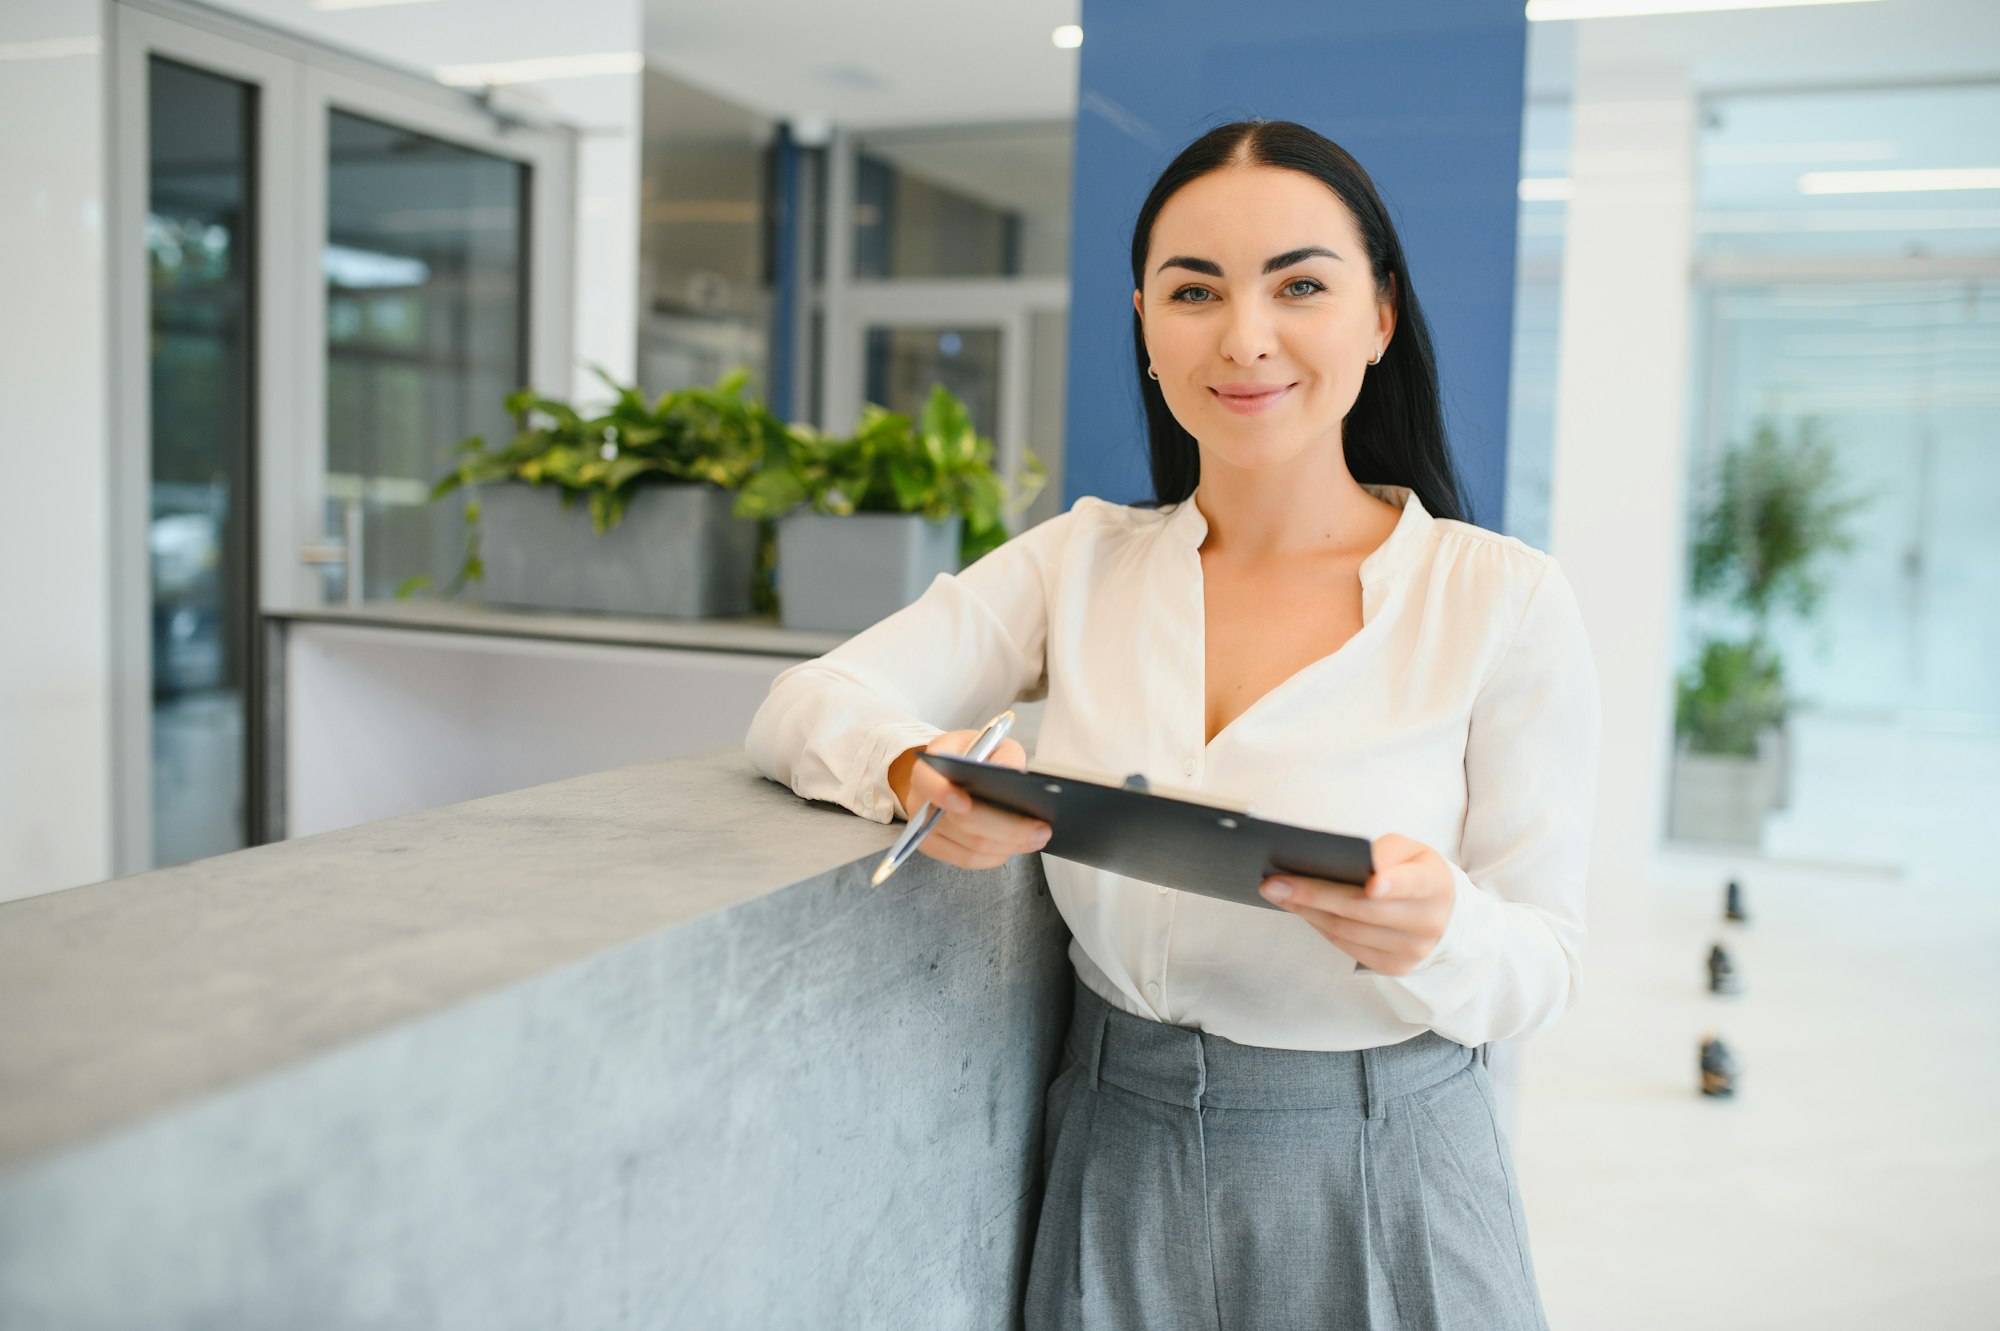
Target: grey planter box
845, 573
1722, 798
678, 552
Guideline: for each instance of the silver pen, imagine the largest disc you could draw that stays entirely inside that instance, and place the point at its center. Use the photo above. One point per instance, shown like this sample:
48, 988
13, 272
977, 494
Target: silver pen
925, 818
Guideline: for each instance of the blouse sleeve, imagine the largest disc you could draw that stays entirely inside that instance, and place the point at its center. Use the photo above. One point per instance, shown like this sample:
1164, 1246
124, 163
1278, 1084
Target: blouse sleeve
970, 646
1508, 963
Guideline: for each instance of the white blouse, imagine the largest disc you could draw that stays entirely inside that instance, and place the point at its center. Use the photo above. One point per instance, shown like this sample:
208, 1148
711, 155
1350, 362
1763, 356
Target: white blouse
1463, 714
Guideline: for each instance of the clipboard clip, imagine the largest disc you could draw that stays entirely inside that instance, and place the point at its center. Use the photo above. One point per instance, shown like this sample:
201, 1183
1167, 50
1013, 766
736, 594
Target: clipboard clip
1136, 781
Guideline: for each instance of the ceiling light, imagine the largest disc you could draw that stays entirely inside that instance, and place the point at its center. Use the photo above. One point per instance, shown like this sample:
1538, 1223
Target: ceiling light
1545, 189
1547, 10
1069, 36
544, 67
1798, 152
1898, 182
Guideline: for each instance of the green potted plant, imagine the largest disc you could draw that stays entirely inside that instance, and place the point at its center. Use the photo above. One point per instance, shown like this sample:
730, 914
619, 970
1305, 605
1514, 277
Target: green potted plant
866, 522
658, 479
1760, 551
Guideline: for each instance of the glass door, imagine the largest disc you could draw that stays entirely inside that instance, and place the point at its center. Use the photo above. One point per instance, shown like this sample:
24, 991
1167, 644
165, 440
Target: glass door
425, 269
326, 274
200, 233
441, 285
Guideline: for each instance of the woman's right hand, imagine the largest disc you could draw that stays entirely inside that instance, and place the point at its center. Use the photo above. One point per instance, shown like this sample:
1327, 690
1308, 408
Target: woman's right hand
971, 834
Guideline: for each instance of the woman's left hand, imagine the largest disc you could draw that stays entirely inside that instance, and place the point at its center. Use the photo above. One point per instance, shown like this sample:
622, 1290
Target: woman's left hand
1391, 922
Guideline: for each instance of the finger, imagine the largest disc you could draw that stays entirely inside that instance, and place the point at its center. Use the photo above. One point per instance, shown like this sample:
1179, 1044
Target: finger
1408, 881
1385, 951
1009, 753
999, 827
949, 850
1344, 931
930, 786
1391, 849
1342, 899
964, 853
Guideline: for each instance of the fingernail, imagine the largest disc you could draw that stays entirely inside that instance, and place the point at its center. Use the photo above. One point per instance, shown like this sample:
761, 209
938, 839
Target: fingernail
1040, 838
1277, 889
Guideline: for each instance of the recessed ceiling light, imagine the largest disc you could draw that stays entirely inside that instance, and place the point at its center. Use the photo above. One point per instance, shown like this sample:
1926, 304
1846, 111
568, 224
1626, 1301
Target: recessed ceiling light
1069, 36
1898, 182
1540, 11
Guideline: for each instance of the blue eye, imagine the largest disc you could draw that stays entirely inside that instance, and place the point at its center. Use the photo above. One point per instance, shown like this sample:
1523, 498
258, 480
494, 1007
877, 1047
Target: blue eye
1193, 295
1291, 288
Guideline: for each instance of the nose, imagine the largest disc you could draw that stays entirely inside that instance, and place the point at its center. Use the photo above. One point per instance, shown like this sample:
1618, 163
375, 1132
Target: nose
1248, 336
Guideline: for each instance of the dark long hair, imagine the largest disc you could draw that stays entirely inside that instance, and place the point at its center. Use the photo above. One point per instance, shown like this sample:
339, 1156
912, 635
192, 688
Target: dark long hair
1394, 435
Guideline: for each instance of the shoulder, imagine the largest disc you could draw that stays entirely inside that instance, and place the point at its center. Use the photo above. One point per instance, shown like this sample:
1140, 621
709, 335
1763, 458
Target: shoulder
1060, 545
1488, 558
1092, 521
1493, 578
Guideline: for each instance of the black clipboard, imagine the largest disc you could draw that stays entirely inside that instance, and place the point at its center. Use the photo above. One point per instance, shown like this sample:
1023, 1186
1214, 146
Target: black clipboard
1216, 850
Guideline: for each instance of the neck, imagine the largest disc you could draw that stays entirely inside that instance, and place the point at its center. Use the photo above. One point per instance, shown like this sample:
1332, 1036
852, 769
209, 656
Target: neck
1309, 508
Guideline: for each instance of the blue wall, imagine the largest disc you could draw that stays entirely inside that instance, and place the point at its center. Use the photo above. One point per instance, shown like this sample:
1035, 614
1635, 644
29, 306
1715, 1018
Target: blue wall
1425, 93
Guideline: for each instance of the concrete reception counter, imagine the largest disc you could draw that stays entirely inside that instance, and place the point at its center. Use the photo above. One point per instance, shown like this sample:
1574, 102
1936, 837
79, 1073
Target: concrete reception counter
637, 1049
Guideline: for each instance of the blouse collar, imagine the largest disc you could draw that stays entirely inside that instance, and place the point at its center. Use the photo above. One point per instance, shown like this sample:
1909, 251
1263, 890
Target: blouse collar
1404, 547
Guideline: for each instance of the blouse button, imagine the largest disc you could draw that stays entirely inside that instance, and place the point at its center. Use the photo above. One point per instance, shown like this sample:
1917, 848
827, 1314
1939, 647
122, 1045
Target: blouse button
1187, 768
1153, 988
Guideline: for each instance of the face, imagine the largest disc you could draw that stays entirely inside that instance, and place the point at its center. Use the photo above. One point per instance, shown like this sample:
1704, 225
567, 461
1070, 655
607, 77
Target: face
1260, 313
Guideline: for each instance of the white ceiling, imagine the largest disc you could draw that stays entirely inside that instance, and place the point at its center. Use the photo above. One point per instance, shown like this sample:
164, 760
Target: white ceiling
872, 63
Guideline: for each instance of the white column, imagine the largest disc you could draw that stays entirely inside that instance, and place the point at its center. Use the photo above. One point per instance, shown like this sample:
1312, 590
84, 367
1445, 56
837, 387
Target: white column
55, 651
605, 305
1616, 510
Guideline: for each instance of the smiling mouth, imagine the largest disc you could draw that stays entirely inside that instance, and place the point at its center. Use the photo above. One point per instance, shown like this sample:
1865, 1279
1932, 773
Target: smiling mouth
1249, 399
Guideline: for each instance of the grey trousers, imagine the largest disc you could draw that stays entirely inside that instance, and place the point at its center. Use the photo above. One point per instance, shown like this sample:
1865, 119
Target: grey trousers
1190, 1181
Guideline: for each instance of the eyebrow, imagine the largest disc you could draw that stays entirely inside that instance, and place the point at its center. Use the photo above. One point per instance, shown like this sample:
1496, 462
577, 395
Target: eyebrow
1271, 265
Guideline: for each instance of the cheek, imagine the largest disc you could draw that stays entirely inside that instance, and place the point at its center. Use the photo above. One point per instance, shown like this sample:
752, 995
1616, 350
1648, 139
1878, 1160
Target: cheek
1334, 347
1180, 344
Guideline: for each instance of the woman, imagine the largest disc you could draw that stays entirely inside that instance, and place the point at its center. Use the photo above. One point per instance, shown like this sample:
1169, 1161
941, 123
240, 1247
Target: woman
1266, 1118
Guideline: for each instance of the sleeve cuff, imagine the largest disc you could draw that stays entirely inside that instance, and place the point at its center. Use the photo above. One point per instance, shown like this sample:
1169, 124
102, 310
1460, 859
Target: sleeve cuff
1449, 976
872, 797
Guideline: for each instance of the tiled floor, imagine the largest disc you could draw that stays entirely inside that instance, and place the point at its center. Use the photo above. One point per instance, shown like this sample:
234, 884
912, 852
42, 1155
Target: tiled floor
1855, 1180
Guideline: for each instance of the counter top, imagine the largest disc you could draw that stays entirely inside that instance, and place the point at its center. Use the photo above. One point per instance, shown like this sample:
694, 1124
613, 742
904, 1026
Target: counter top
641, 1048
756, 634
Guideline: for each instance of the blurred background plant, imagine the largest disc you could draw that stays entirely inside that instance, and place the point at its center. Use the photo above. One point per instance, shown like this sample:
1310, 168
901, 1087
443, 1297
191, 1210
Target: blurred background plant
1761, 547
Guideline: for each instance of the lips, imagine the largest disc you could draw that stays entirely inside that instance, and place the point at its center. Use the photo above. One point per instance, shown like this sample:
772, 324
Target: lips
1247, 399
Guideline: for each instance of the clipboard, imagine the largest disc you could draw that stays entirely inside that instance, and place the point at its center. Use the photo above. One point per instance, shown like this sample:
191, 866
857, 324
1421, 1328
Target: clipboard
1194, 845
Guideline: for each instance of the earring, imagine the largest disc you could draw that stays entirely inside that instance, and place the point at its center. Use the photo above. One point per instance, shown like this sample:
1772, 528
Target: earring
1376, 359
1152, 373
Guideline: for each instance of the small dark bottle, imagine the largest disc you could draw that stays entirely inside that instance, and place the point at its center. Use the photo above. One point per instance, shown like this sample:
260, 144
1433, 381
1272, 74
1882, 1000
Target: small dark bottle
1722, 977
1718, 1069
1732, 903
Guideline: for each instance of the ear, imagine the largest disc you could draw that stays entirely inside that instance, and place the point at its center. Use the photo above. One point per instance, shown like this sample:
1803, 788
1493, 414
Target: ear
1138, 305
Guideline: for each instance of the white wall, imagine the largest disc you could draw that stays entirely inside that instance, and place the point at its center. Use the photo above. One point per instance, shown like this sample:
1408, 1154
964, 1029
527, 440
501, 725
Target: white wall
54, 621
381, 722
